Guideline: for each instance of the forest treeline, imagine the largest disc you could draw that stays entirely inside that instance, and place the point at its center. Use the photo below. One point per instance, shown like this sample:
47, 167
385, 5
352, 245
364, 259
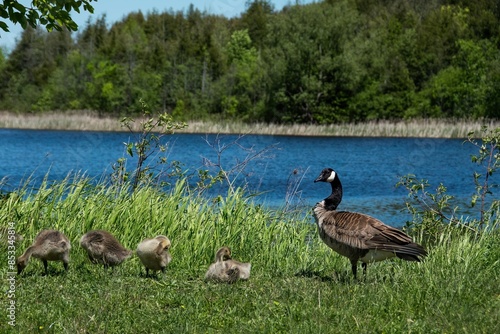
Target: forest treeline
326, 62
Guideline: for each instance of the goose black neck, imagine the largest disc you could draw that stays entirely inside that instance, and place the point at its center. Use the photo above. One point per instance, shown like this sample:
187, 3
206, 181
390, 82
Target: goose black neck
333, 201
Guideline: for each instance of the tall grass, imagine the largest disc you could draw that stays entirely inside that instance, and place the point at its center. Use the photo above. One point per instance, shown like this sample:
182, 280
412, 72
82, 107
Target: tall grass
87, 120
297, 285
196, 226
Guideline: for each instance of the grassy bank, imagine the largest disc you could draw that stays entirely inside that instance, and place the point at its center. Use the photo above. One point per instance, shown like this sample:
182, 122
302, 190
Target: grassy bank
87, 121
297, 284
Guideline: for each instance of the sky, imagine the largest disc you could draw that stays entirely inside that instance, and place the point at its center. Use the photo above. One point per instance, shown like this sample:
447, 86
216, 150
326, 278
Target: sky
116, 10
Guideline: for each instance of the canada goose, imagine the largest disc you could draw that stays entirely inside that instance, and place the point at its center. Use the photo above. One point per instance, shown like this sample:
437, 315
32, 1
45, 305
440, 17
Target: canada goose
103, 248
225, 269
154, 253
357, 236
49, 245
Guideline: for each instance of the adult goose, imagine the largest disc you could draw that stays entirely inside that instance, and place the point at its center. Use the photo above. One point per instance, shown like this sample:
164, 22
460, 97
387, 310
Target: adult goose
357, 236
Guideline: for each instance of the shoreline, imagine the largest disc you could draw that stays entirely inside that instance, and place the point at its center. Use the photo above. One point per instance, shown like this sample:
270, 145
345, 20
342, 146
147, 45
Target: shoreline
90, 121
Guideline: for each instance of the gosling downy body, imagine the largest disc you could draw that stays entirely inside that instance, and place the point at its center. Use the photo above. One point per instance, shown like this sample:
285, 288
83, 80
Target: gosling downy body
49, 245
357, 236
227, 270
154, 253
103, 248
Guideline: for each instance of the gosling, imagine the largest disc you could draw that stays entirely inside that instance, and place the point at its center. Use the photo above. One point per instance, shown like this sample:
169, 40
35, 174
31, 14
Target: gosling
103, 248
154, 253
227, 270
49, 245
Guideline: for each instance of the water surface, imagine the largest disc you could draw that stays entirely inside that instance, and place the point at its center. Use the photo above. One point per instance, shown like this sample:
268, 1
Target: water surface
283, 173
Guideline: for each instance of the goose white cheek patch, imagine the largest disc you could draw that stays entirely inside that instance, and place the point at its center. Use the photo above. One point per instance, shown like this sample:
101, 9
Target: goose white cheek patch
331, 177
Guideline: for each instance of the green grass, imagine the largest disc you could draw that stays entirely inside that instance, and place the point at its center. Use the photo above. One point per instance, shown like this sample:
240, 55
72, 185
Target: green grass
297, 284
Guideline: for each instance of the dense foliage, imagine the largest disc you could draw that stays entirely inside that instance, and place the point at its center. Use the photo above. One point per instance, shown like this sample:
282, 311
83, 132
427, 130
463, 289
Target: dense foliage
326, 62
52, 14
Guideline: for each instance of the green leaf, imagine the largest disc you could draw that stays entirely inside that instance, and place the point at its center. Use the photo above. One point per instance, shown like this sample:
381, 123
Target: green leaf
3, 13
21, 8
4, 26
130, 148
76, 6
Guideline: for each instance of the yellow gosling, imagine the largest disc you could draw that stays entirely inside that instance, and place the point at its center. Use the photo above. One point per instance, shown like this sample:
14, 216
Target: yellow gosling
227, 270
154, 253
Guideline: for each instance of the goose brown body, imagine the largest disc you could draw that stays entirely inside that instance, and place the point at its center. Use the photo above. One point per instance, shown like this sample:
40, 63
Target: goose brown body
154, 254
103, 248
357, 236
227, 270
49, 245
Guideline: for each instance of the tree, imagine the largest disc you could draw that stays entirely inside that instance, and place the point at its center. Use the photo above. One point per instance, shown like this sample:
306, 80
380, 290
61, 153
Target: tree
311, 77
241, 87
255, 20
53, 14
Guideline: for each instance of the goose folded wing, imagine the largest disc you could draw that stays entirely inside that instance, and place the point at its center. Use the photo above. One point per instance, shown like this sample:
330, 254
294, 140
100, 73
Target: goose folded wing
394, 240
365, 232
351, 228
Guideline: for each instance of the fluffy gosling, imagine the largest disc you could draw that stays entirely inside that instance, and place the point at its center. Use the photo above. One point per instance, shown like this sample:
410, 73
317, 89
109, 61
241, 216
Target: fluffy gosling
49, 245
154, 253
227, 270
103, 248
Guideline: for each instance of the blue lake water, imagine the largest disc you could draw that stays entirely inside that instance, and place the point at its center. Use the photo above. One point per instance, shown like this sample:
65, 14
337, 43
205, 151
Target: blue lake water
284, 173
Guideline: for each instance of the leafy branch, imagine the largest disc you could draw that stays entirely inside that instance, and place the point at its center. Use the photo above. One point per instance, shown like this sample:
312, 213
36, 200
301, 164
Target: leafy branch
431, 211
53, 14
489, 154
148, 141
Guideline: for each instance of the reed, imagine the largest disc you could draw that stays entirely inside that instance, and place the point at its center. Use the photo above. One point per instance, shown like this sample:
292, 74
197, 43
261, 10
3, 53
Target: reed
90, 121
424, 128
298, 285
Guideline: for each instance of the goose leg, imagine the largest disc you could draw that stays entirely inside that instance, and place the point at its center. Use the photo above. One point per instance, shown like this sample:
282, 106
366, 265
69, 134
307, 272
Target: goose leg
354, 268
364, 265
45, 267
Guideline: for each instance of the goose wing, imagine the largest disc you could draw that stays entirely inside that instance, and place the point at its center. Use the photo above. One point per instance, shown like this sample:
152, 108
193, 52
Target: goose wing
394, 240
362, 231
